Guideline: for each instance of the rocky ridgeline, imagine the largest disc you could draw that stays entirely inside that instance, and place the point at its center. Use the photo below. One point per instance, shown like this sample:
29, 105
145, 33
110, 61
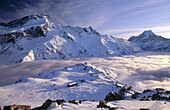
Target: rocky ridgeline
18, 29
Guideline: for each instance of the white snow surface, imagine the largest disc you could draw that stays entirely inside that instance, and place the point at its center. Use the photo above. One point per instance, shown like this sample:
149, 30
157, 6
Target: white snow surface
63, 42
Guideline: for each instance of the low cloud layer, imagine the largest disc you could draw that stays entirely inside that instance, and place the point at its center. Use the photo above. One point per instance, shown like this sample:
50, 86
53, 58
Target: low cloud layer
148, 70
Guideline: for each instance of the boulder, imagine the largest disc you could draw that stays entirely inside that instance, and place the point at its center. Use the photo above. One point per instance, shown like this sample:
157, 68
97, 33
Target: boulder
113, 96
102, 104
44, 105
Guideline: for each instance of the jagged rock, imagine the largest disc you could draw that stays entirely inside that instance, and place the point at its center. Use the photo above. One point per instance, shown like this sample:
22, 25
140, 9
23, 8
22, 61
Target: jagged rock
17, 107
44, 105
28, 31
156, 97
73, 102
102, 104
60, 102
148, 90
113, 96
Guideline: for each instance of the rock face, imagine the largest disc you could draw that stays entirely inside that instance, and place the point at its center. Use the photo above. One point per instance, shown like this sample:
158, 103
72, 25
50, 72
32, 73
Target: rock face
149, 41
28, 26
38, 37
17, 107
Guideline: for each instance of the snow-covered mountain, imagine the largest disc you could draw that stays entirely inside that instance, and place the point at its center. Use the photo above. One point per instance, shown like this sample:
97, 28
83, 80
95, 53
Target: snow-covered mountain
150, 41
79, 82
36, 37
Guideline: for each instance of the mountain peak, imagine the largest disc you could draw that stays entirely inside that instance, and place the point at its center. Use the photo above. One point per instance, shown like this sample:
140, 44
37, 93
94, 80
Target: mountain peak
148, 32
150, 41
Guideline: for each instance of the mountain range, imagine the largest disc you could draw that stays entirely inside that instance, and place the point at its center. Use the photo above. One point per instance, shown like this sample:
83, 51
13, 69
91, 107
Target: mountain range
36, 37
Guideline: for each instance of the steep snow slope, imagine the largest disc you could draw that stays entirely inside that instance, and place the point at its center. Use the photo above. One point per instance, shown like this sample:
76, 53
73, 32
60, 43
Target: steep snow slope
60, 42
89, 83
149, 41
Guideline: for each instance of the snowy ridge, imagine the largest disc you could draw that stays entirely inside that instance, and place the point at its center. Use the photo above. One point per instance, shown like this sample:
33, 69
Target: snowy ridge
149, 41
60, 42
78, 82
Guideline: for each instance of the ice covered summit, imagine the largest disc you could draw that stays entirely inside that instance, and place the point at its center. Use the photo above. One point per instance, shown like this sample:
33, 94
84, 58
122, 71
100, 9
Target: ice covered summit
150, 41
37, 37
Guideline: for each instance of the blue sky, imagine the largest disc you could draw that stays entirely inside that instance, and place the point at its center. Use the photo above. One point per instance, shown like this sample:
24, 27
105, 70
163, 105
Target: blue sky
120, 18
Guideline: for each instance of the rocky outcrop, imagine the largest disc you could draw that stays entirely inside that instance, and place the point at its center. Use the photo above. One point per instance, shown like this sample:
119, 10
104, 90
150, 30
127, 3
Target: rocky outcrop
29, 26
155, 94
113, 96
17, 107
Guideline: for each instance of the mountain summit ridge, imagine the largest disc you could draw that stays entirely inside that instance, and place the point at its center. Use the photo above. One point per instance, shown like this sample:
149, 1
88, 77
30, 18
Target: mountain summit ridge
40, 38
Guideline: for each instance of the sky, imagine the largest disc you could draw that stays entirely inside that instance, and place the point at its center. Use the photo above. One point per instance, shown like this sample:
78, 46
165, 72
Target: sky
120, 18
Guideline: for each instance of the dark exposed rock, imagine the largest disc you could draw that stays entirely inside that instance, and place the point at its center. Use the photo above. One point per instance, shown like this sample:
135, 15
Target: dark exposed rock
133, 96
17, 107
167, 92
143, 109
18, 22
73, 102
59, 102
102, 104
148, 90
44, 105
34, 31
113, 96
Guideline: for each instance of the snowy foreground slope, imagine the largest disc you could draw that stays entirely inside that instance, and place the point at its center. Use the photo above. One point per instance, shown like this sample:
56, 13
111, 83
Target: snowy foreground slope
79, 82
149, 41
36, 37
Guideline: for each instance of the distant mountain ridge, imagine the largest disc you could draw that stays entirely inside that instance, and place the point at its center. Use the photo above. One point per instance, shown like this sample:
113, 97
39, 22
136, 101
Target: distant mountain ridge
150, 41
37, 37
